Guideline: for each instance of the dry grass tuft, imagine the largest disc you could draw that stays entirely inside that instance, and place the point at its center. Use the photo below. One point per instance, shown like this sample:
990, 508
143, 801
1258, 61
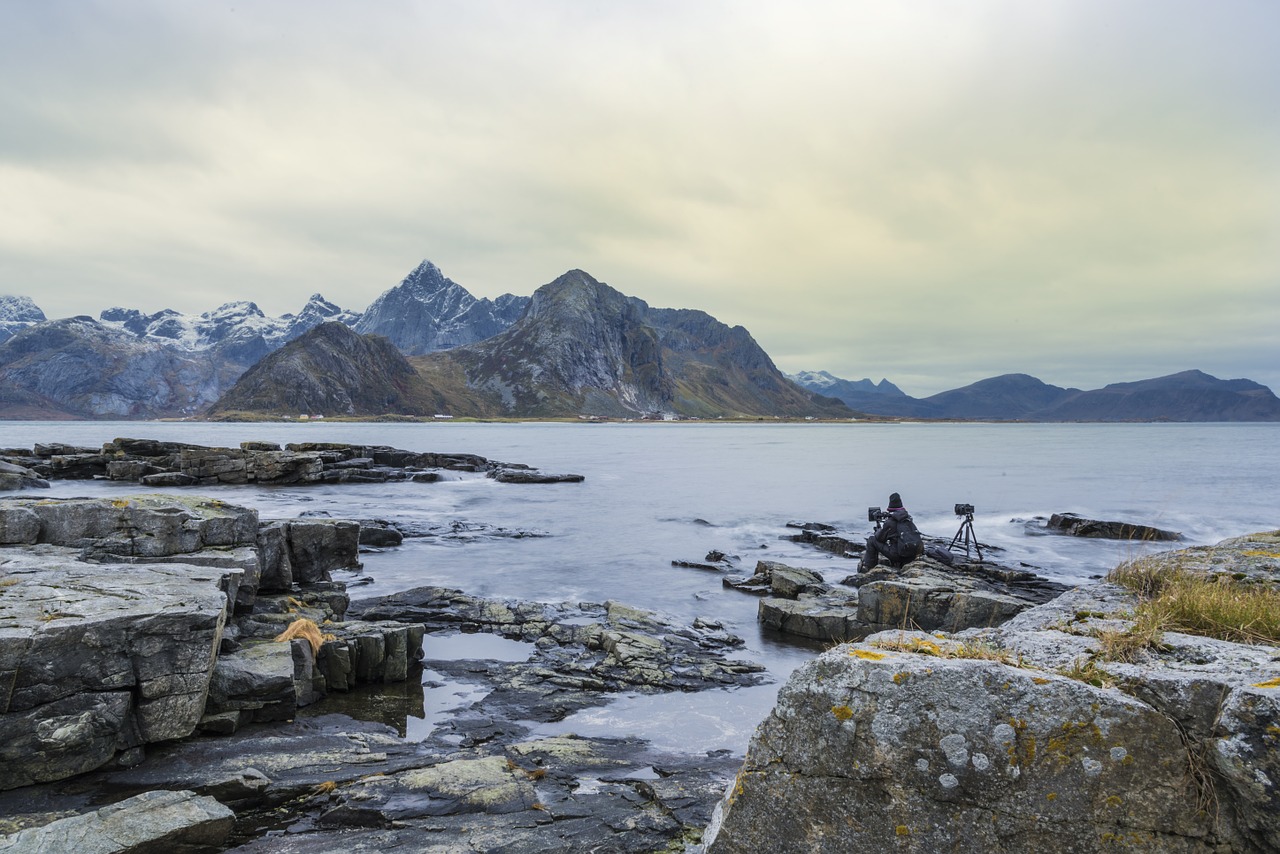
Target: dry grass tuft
1211, 605
1086, 670
967, 649
306, 629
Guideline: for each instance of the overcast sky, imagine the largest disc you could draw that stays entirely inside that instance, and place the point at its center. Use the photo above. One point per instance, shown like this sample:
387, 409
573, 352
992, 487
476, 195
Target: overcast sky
934, 192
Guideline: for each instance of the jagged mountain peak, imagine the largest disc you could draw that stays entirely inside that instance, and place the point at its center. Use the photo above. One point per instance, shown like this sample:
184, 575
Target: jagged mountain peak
428, 311
234, 310
426, 279
317, 310
16, 314
577, 298
850, 391
16, 308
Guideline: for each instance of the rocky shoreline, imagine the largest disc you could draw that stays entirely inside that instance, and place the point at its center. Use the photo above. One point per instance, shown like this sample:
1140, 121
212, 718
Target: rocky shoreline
152, 463
943, 590
160, 655
1025, 737
179, 674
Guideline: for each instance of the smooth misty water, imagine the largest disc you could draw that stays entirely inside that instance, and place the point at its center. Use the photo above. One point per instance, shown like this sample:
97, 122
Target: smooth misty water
658, 492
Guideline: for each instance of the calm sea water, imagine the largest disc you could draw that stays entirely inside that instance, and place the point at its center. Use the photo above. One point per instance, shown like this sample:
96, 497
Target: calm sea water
658, 492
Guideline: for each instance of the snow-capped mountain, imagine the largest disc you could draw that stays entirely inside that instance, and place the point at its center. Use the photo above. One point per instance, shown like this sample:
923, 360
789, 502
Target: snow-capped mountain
16, 314
318, 310
831, 385
427, 312
78, 367
238, 330
47, 366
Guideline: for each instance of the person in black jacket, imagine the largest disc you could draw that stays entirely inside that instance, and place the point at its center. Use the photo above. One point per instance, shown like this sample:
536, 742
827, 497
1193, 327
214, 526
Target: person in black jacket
896, 539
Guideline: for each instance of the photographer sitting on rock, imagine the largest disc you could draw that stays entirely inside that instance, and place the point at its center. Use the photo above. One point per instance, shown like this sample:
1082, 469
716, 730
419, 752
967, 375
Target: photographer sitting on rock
896, 538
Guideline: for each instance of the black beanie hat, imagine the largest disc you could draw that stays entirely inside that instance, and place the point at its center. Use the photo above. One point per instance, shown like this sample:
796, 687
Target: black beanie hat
895, 501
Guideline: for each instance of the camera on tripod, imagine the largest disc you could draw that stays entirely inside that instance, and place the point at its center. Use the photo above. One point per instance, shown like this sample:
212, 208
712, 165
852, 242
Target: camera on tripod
966, 536
875, 514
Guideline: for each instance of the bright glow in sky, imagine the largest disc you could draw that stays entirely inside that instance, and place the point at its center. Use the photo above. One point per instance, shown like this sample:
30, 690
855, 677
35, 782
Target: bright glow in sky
1087, 191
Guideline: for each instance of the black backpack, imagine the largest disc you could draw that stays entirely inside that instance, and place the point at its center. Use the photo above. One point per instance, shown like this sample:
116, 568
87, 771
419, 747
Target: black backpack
910, 543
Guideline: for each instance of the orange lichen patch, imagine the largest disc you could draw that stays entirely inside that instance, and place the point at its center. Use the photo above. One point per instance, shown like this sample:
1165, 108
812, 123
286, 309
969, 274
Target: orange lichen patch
306, 629
867, 654
842, 713
1040, 680
1023, 750
899, 678
1052, 796
902, 830
915, 644
1072, 741
1114, 801
1270, 683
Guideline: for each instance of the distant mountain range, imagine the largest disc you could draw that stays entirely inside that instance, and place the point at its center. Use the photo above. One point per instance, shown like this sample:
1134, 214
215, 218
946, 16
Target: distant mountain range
130, 364
575, 347
580, 348
1185, 396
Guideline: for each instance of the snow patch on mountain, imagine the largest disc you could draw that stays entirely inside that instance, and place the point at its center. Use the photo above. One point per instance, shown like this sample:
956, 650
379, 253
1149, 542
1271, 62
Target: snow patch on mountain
239, 326
826, 383
16, 314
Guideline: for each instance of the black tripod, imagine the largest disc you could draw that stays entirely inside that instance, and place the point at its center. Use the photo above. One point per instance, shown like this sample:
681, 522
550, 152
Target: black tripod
966, 532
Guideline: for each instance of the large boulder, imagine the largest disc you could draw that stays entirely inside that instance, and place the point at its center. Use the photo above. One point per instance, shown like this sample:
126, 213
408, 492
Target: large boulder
820, 616
317, 547
135, 525
150, 823
14, 477
1078, 526
276, 573
928, 595
870, 748
925, 594
100, 660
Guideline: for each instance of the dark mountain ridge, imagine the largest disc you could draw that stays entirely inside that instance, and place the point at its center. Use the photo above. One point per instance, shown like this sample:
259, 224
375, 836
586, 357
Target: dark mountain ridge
582, 347
332, 370
1185, 396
